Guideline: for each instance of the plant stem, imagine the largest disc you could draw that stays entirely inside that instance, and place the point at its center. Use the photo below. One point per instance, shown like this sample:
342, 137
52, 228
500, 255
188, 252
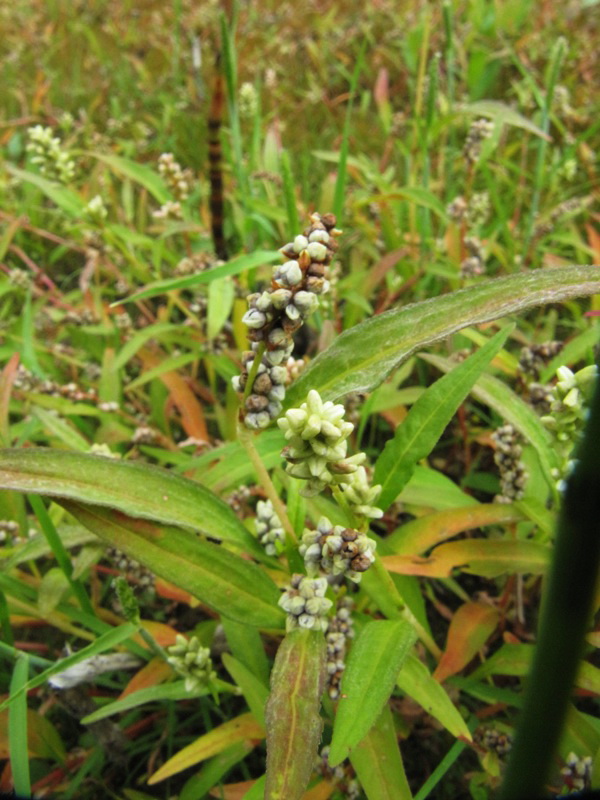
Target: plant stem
247, 441
253, 371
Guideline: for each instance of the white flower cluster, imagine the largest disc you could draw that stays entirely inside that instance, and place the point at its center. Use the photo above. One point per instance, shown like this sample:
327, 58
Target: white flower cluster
96, 210
337, 551
54, 162
317, 444
275, 314
578, 772
169, 210
305, 603
178, 180
568, 413
268, 527
248, 100
361, 496
192, 661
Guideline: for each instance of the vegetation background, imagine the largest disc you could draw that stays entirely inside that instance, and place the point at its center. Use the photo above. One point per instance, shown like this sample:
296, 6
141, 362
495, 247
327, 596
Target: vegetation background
456, 142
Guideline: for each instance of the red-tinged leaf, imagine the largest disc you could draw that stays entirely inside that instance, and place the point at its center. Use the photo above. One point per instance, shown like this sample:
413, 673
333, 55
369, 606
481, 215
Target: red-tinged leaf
294, 725
232, 791
151, 674
236, 730
471, 626
171, 592
165, 635
7, 377
420, 534
224, 581
192, 416
378, 762
381, 92
322, 791
475, 556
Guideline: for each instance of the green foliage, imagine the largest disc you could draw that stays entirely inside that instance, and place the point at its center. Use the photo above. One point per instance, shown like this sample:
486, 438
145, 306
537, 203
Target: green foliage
456, 150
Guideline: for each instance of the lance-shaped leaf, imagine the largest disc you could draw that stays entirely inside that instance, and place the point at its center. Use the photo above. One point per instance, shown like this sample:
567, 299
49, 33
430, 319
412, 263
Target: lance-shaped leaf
220, 579
488, 558
471, 626
362, 357
368, 681
416, 437
293, 722
416, 681
137, 490
378, 762
239, 729
424, 532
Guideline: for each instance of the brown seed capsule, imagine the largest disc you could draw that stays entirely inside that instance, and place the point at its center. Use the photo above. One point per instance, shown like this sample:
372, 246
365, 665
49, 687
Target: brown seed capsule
316, 269
328, 220
303, 260
257, 402
360, 563
288, 251
262, 384
349, 550
349, 535
291, 326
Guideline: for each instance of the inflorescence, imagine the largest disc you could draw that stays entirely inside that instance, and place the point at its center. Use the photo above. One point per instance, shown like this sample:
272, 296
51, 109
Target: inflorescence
275, 314
192, 661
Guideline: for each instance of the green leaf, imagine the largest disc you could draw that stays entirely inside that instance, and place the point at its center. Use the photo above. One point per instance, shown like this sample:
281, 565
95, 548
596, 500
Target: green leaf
253, 690
139, 173
293, 722
429, 488
513, 409
362, 357
502, 113
166, 365
368, 681
135, 489
378, 762
233, 267
414, 194
221, 294
246, 645
139, 339
53, 587
169, 691
225, 582
418, 434
60, 429
66, 199
416, 681
105, 642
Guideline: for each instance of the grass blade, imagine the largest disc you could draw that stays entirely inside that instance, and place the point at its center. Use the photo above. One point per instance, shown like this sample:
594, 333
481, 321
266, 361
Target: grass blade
17, 727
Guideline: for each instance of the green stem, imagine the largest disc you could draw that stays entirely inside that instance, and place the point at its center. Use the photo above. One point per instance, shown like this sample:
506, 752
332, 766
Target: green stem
566, 613
247, 441
61, 555
253, 371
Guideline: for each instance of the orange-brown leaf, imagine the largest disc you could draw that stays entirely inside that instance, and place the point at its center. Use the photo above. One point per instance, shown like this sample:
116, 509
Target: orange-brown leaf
476, 556
471, 626
151, 674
